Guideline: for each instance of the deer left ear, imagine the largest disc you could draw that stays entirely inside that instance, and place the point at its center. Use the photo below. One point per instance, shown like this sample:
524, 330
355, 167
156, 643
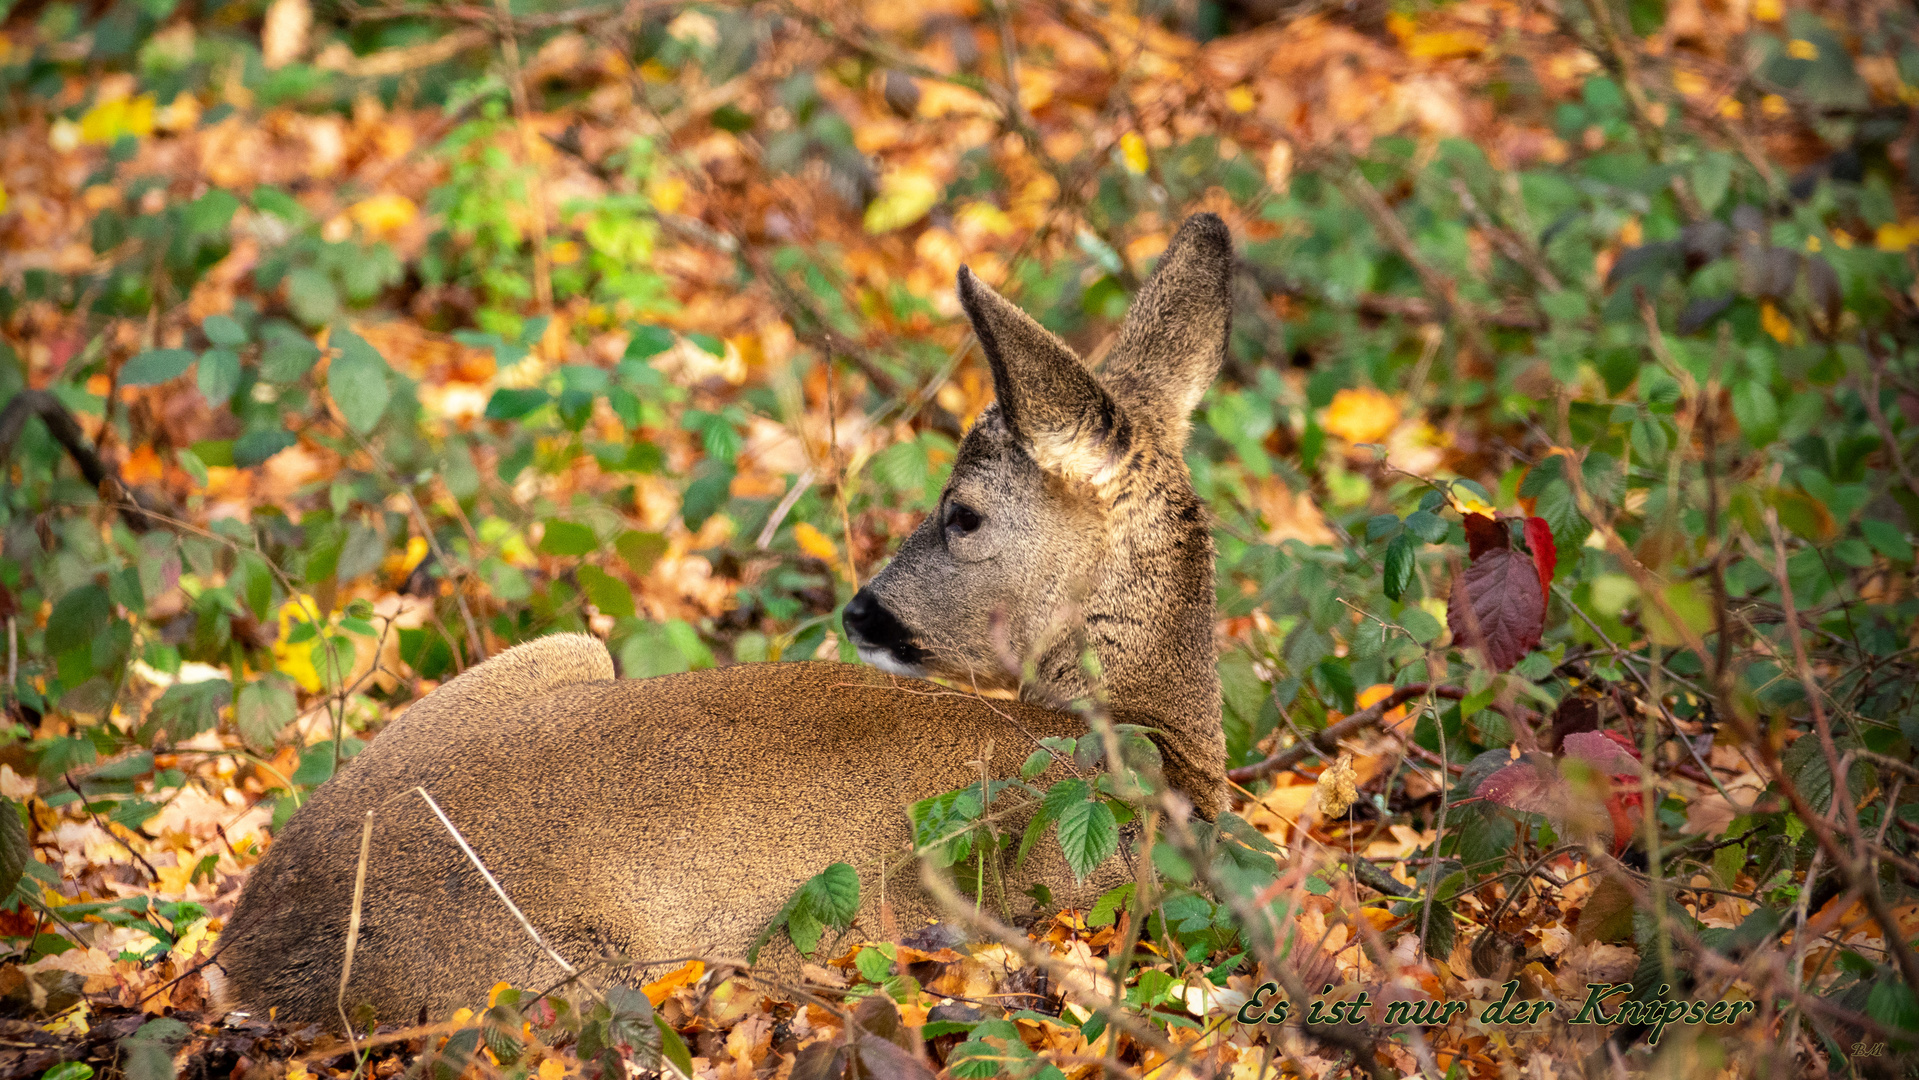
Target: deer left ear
1056, 409
1174, 339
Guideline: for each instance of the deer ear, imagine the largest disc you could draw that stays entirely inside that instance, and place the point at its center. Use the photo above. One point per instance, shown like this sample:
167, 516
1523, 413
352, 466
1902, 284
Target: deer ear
1055, 407
1174, 339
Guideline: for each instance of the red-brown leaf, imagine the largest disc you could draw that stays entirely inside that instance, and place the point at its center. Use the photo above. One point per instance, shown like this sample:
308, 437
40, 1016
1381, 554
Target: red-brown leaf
1539, 537
1485, 534
1497, 605
1608, 752
1530, 784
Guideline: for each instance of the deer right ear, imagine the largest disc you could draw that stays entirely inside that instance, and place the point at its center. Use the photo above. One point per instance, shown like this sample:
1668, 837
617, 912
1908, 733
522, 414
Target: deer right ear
1174, 338
1055, 407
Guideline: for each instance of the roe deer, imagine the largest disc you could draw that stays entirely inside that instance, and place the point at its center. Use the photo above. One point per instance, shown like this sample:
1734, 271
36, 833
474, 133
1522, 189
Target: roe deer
675, 816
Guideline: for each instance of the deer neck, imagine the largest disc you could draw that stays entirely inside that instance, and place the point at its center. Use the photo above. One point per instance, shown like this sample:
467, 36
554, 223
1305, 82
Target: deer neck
1156, 662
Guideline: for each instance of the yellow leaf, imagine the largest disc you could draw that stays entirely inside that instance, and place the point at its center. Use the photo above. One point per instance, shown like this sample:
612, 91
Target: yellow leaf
552, 1069
564, 253
658, 990
1774, 105
1897, 237
296, 660
905, 197
667, 193
1240, 99
1801, 49
384, 214
1731, 109
1361, 415
815, 543
1444, 44
3, 198
1132, 150
984, 217
1768, 10
1775, 323
1690, 83
493, 995
107, 121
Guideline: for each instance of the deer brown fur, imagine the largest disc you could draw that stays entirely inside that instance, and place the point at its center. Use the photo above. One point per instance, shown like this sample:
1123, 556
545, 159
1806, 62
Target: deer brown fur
664, 818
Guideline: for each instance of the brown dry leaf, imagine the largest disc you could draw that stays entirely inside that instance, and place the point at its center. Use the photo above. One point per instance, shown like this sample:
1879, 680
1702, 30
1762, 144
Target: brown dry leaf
1337, 788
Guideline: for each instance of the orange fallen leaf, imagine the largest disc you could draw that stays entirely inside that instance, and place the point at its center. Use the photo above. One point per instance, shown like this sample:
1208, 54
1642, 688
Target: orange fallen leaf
660, 989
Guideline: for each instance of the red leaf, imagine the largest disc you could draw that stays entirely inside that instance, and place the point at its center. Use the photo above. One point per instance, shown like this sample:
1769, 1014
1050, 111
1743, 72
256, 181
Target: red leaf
1485, 534
1497, 605
1539, 537
1530, 784
1608, 752
1574, 715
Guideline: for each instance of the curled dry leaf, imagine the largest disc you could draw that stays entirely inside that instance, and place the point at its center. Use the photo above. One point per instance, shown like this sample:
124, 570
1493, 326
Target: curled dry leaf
1337, 788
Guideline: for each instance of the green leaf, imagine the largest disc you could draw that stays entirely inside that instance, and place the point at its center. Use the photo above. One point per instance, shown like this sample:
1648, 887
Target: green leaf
835, 894
605, 591
359, 381
1756, 410
15, 849
1427, 525
187, 709
69, 1070
640, 549
648, 341
511, 403
155, 366
1887, 539
78, 618
256, 446
1399, 566
265, 708
219, 375
1892, 1004
224, 331
874, 964
1106, 908
567, 538
1088, 834
1035, 763
672, 1047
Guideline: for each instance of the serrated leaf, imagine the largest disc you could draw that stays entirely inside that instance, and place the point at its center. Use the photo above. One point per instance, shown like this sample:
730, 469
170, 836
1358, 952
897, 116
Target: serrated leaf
155, 366
265, 707
187, 709
219, 375
1427, 525
15, 848
1035, 764
1088, 834
359, 381
835, 894
1399, 566
1497, 605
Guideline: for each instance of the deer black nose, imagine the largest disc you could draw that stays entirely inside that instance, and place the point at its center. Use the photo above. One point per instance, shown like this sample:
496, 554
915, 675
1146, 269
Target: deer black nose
871, 626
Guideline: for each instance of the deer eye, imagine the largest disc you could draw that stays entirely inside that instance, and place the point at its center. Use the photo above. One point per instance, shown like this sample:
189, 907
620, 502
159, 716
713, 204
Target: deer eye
962, 519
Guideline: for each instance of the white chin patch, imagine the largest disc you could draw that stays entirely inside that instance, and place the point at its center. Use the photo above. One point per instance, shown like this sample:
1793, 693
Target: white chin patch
887, 662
